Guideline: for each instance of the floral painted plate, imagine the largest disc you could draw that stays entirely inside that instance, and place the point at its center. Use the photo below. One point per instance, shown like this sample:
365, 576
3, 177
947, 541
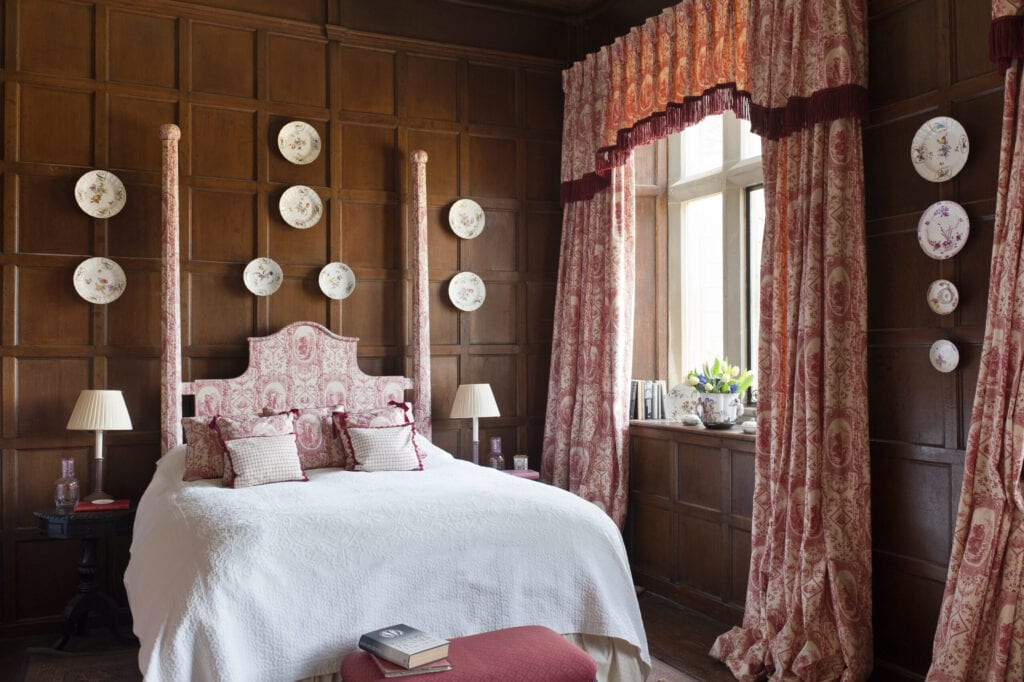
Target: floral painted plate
466, 218
99, 280
100, 194
943, 228
337, 280
299, 142
943, 297
939, 149
301, 206
262, 276
944, 355
467, 291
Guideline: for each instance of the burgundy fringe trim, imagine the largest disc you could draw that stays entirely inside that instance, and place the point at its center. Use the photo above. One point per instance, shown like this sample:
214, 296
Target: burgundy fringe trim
844, 101
1006, 40
678, 116
584, 189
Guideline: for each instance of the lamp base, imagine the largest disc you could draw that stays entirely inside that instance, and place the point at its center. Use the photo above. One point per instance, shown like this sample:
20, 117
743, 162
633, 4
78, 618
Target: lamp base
476, 452
98, 497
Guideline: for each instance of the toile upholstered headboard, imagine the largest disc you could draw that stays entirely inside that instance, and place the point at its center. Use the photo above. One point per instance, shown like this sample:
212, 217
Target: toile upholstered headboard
302, 365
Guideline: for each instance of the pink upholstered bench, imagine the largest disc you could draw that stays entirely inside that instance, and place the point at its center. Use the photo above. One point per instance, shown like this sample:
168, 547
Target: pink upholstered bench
525, 654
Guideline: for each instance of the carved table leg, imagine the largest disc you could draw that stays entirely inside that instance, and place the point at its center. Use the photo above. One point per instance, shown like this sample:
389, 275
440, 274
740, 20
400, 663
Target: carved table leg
88, 597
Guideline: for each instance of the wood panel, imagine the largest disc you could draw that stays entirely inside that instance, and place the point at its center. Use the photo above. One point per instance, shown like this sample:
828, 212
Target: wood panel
919, 417
688, 532
89, 84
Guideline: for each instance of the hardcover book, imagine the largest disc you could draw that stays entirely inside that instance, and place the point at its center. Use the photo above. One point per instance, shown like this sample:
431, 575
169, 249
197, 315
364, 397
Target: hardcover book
85, 505
389, 669
404, 645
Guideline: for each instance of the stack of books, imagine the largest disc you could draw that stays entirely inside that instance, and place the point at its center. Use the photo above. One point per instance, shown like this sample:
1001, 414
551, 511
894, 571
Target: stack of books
403, 650
647, 399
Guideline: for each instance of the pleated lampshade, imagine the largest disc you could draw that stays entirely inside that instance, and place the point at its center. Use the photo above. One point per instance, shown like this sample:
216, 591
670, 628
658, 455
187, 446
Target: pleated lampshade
474, 400
100, 410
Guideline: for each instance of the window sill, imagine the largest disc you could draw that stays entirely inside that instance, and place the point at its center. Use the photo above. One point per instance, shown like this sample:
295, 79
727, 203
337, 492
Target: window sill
666, 425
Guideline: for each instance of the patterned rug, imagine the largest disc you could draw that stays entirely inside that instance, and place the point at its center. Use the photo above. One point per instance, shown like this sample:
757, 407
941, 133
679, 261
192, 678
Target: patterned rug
48, 665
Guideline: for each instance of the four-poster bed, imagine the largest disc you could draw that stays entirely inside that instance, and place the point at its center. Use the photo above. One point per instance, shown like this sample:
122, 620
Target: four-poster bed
278, 581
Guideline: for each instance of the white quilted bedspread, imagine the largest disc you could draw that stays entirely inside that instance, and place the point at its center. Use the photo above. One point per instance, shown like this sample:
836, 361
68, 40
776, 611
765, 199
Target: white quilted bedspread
277, 582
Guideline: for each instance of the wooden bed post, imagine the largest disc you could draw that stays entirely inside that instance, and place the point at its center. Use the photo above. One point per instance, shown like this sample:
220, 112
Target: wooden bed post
420, 296
170, 311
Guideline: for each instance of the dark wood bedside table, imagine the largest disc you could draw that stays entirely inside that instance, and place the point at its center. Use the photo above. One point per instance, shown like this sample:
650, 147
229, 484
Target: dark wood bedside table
88, 527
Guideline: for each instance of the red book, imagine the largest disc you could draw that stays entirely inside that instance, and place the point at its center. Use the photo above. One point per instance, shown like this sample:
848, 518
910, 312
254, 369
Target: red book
86, 506
389, 669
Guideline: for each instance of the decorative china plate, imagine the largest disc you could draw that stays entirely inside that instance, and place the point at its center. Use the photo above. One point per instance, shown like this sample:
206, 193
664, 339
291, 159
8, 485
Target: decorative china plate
337, 280
944, 355
466, 218
100, 194
299, 142
943, 296
939, 149
99, 280
467, 291
301, 206
262, 276
943, 228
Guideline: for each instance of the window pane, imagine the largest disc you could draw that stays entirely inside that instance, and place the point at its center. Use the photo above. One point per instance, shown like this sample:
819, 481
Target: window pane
702, 146
703, 306
755, 227
750, 144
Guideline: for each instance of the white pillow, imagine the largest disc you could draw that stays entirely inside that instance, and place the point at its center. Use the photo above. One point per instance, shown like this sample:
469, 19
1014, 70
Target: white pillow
384, 448
264, 459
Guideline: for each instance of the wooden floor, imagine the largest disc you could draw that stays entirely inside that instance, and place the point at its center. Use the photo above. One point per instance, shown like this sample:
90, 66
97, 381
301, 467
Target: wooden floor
682, 638
675, 635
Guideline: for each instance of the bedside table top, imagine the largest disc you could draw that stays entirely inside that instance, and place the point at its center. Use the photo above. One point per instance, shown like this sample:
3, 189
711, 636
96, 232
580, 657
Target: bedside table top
91, 524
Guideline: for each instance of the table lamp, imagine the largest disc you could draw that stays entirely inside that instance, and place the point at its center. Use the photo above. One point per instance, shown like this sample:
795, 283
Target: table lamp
99, 411
474, 400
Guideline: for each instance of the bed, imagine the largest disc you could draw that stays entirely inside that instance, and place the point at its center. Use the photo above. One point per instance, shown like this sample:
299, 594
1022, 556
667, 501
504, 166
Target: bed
276, 582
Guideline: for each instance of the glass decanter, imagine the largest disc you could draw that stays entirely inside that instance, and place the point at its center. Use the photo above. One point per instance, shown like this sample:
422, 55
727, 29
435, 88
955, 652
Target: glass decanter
496, 459
66, 490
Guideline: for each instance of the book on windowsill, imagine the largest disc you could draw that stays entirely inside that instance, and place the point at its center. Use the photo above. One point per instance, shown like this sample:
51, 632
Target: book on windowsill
86, 506
389, 669
404, 646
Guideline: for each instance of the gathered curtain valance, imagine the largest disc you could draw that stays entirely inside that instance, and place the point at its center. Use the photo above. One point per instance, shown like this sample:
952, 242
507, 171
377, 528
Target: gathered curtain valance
703, 57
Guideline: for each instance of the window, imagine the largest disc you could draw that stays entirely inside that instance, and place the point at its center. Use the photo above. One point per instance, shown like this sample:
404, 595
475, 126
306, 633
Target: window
716, 224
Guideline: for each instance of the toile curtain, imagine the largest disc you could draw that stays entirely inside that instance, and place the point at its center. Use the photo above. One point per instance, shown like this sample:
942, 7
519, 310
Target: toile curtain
586, 427
980, 634
808, 605
678, 67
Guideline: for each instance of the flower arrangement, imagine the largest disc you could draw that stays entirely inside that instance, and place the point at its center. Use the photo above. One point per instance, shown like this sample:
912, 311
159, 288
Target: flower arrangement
720, 377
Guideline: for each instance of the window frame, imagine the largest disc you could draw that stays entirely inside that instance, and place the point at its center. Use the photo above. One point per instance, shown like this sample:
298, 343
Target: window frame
733, 180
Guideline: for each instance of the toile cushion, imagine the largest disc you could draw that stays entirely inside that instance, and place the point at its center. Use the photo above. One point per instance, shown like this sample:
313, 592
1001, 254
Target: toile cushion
314, 437
531, 652
204, 457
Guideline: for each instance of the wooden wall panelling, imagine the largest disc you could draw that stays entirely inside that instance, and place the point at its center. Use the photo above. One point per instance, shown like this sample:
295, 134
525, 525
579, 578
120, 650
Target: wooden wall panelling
231, 74
688, 529
919, 417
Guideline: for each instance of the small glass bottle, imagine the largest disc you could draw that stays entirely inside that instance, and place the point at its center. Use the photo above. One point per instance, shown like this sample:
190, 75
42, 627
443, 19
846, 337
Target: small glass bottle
66, 489
497, 461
